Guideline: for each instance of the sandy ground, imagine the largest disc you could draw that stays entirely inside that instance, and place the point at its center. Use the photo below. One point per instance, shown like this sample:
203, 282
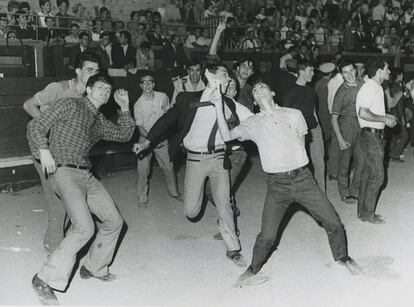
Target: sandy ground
165, 260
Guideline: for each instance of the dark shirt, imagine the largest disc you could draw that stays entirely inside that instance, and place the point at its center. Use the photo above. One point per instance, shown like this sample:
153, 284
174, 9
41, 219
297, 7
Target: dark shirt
75, 125
304, 99
246, 97
345, 99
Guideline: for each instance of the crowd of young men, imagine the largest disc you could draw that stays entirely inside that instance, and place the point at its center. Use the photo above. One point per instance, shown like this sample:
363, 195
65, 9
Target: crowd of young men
206, 116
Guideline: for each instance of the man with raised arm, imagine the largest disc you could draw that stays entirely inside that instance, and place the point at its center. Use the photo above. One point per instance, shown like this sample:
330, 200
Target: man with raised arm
279, 134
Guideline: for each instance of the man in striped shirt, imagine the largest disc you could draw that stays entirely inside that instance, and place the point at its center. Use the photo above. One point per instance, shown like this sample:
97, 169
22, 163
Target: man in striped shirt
75, 125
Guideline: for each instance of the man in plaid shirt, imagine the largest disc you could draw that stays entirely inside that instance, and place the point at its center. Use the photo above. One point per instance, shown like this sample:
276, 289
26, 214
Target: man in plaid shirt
75, 125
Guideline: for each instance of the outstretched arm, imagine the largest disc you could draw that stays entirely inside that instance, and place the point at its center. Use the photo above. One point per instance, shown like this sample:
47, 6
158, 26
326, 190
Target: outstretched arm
214, 43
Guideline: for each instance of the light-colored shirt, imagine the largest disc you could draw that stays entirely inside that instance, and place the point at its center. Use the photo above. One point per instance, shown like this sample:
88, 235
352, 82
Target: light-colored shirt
378, 12
185, 85
148, 110
55, 91
204, 119
283, 60
333, 86
279, 138
371, 96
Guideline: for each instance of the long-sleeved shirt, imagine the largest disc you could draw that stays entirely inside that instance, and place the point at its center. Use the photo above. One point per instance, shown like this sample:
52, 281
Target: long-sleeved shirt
75, 125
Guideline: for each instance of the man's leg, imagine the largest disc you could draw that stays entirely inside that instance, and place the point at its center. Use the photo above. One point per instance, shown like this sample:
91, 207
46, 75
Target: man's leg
163, 158
101, 251
71, 185
317, 153
55, 213
143, 169
310, 196
220, 186
333, 157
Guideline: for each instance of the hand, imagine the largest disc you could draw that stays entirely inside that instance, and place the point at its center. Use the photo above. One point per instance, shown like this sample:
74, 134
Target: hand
343, 145
390, 120
139, 147
215, 97
122, 99
47, 162
221, 26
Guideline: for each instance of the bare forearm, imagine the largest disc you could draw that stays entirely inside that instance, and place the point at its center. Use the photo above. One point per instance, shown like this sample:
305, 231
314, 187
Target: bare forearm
142, 131
366, 114
31, 108
335, 126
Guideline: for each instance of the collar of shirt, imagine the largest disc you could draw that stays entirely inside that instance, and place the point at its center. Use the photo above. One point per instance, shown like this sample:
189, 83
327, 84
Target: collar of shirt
91, 107
206, 94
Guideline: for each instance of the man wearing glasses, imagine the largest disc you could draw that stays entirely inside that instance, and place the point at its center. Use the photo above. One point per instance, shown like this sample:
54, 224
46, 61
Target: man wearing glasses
150, 106
194, 117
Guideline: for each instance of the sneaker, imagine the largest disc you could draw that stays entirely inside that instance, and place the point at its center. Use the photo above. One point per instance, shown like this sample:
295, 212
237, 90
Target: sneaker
237, 258
86, 274
351, 265
248, 278
45, 293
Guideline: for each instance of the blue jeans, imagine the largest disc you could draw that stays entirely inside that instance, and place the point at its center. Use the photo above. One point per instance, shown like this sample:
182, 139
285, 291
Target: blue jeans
370, 150
82, 194
300, 187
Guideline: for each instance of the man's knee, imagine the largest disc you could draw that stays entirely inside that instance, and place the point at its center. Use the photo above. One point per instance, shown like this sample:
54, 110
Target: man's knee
266, 240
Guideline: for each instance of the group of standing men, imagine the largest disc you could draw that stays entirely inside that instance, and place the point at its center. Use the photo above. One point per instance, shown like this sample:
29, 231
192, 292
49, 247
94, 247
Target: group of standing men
68, 123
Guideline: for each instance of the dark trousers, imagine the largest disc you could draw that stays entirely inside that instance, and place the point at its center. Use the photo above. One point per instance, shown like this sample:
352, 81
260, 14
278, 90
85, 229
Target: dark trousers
370, 150
399, 138
284, 189
350, 131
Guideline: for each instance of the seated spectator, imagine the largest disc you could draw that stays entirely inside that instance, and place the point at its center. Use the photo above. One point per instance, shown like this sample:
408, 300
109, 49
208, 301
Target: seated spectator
395, 41
104, 51
292, 52
191, 40
227, 12
104, 13
79, 12
22, 28
264, 40
64, 19
96, 30
191, 12
289, 41
262, 14
241, 15
73, 37
157, 35
45, 10
145, 57
148, 17
287, 27
50, 33
4, 27
12, 8
173, 56
250, 42
76, 50
123, 53
107, 25
211, 10
156, 18
301, 16
25, 7
382, 40
172, 12
140, 35
203, 40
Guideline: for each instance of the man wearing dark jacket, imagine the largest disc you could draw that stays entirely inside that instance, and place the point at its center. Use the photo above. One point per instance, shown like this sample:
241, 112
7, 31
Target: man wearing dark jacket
123, 54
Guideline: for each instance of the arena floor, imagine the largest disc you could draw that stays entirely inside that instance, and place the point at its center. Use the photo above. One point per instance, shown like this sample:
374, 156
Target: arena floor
165, 260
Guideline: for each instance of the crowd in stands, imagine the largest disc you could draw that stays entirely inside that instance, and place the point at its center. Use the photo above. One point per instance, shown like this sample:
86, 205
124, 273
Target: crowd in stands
304, 28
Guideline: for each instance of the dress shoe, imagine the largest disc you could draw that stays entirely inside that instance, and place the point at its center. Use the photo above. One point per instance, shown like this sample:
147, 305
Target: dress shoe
375, 219
237, 258
349, 199
248, 278
351, 265
44, 292
86, 274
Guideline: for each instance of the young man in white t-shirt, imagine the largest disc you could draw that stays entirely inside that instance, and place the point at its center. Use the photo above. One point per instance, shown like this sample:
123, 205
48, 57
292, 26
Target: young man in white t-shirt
279, 134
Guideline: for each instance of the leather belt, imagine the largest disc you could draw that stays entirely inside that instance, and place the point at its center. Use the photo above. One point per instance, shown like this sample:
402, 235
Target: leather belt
210, 152
373, 130
73, 166
293, 172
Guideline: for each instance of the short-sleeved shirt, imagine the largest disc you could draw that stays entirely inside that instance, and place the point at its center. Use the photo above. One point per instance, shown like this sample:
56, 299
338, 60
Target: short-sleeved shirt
246, 97
371, 96
333, 86
345, 99
148, 110
279, 138
55, 91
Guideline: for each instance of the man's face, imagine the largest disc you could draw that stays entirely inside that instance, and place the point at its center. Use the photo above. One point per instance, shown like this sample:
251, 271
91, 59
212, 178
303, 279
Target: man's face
3, 22
147, 84
349, 73
231, 89
75, 31
122, 39
261, 92
100, 92
46, 8
88, 69
194, 72
308, 74
245, 70
22, 19
222, 75
84, 41
105, 40
385, 73
63, 8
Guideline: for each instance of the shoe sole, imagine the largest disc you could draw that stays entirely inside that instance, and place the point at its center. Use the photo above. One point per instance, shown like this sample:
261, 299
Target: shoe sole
254, 280
44, 301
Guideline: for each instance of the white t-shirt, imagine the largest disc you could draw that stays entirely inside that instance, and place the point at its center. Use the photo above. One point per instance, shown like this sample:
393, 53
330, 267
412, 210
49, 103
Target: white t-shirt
371, 96
147, 111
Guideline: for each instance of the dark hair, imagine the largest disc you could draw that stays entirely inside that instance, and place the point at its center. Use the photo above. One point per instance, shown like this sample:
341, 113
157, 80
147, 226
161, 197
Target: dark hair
132, 14
24, 5
59, 2
260, 81
395, 72
86, 57
104, 33
193, 62
343, 62
99, 77
145, 45
291, 48
213, 65
12, 5
19, 13
49, 17
83, 34
373, 65
146, 73
302, 64
103, 9
126, 34
74, 25
43, 2
242, 60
